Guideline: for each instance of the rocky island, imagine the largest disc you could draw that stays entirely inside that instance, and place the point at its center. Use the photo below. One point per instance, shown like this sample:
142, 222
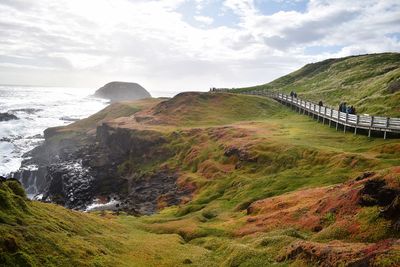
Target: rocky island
120, 91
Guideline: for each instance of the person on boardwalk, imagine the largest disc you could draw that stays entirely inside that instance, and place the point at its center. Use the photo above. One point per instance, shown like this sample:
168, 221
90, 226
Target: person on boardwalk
320, 103
295, 95
351, 110
291, 94
343, 107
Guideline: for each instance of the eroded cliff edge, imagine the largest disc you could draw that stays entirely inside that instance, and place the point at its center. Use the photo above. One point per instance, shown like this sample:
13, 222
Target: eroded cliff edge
87, 161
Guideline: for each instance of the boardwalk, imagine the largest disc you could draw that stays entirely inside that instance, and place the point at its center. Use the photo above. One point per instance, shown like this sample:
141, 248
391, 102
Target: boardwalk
330, 115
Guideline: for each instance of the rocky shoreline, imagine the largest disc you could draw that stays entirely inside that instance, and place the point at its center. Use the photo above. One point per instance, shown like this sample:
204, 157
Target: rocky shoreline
7, 117
75, 172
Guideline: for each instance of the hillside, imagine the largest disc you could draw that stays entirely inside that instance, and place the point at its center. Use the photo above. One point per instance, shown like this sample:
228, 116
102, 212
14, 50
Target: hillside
224, 180
369, 82
39, 234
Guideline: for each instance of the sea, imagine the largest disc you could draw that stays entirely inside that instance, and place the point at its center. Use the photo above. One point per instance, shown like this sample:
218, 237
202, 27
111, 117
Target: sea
38, 108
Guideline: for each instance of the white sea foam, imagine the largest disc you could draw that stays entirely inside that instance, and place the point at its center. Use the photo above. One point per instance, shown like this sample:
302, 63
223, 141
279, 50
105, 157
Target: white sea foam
96, 205
37, 109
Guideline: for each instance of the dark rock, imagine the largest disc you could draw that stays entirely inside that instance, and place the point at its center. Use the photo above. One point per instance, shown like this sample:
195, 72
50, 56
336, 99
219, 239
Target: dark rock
394, 86
316, 228
375, 192
33, 180
10, 245
241, 154
36, 136
7, 117
119, 91
73, 174
364, 176
27, 110
147, 191
5, 139
187, 261
392, 211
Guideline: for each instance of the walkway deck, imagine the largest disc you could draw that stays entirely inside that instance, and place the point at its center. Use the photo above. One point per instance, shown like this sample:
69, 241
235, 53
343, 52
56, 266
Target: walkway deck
348, 121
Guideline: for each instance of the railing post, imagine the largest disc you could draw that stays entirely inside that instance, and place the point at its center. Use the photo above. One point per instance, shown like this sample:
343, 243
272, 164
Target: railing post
319, 111
370, 126
315, 111
337, 122
330, 118
298, 104
387, 126
312, 110
357, 121
345, 122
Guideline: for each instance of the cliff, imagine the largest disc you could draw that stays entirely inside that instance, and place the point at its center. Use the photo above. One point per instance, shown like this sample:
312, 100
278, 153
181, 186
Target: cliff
120, 91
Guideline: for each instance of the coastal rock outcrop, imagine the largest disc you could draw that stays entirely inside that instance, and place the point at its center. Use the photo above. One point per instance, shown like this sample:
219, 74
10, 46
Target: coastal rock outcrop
120, 91
7, 117
77, 173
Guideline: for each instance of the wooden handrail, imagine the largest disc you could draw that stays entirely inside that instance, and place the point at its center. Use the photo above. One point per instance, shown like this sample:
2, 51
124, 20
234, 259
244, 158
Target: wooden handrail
382, 124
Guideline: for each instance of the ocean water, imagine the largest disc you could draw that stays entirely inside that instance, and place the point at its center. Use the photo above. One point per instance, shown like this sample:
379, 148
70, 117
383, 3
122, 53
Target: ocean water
37, 109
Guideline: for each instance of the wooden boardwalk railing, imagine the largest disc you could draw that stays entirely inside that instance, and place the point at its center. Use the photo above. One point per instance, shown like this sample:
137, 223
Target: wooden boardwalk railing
369, 123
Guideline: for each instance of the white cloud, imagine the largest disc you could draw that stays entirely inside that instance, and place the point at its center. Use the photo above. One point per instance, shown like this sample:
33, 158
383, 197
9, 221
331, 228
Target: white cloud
90, 42
204, 19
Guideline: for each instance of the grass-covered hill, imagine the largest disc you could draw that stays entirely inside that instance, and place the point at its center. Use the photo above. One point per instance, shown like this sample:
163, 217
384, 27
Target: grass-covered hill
369, 82
267, 187
41, 234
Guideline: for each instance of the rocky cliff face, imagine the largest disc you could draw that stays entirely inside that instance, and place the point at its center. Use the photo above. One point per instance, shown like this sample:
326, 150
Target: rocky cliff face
120, 91
74, 173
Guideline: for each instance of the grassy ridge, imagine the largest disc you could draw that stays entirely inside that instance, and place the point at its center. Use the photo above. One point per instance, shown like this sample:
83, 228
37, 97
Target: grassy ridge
369, 82
193, 109
232, 150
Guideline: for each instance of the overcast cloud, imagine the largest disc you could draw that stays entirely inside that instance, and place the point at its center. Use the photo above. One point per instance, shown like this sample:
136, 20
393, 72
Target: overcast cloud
177, 45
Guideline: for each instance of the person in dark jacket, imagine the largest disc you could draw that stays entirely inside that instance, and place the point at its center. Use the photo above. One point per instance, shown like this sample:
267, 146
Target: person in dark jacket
320, 103
344, 107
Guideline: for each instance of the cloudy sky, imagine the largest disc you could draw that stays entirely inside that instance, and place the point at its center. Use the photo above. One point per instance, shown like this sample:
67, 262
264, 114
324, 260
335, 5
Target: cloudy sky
176, 45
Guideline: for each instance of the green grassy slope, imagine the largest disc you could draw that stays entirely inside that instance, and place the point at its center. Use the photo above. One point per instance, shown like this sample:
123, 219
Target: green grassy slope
194, 109
232, 150
276, 151
369, 82
39, 234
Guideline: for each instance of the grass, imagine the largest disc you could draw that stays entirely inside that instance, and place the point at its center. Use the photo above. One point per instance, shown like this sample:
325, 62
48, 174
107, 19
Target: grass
368, 82
39, 234
233, 150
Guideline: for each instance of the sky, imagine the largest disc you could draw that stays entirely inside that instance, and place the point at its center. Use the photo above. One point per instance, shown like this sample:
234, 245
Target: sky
180, 45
